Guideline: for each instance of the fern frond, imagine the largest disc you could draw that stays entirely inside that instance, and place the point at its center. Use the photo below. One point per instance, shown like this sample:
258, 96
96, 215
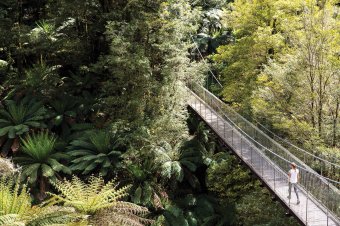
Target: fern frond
13, 199
58, 217
10, 219
100, 199
123, 214
87, 197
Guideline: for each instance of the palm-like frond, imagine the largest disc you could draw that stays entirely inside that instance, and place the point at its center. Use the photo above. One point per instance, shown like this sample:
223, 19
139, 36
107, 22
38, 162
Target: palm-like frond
18, 117
168, 159
39, 146
39, 158
172, 159
96, 150
64, 109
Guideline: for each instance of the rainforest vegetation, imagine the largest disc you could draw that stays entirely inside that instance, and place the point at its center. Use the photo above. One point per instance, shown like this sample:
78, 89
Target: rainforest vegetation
94, 123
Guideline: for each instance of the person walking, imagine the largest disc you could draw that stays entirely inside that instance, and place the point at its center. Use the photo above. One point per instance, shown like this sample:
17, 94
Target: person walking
293, 179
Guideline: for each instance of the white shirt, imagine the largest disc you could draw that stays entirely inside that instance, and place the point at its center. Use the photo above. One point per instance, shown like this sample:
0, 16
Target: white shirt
293, 175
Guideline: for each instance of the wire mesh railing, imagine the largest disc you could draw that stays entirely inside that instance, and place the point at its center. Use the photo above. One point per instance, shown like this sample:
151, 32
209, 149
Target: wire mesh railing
249, 139
326, 165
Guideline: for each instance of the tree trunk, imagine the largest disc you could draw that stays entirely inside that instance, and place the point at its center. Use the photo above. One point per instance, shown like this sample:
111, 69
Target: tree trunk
335, 122
42, 188
19, 56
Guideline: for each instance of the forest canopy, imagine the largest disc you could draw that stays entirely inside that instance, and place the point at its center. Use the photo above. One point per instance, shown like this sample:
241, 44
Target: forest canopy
94, 122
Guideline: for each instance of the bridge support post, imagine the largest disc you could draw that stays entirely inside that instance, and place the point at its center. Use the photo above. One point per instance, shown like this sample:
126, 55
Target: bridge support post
241, 147
217, 122
200, 107
274, 178
224, 130
328, 199
232, 137
307, 197
262, 166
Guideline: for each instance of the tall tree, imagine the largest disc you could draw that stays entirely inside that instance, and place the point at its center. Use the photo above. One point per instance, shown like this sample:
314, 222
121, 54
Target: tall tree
255, 29
302, 84
147, 67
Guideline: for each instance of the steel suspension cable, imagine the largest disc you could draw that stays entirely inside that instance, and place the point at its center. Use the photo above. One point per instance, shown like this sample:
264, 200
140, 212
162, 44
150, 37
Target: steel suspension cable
284, 140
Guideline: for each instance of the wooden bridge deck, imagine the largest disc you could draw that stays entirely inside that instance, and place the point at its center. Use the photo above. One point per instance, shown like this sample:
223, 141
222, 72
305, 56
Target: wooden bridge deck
308, 212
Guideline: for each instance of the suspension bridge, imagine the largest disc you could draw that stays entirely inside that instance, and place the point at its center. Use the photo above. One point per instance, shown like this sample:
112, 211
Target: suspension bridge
269, 160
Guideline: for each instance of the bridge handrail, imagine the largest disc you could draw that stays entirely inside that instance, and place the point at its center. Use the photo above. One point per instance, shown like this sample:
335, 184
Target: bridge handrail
305, 168
285, 141
298, 148
319, 187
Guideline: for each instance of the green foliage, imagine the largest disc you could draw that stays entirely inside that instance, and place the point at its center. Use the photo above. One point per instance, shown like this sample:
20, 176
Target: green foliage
257, 208
198, 210
99, 199
168, 159
143, 69
172, 159
10, 219
88, 198
18, 117
146, 190
16, 207
39, 159
96, 151
254, 27
41, 79
228, 179
66, 112
123, 213
297, 93
282, 69
95, 63
14, 200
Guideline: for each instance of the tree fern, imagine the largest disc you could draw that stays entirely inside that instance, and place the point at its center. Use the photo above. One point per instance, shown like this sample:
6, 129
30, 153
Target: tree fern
172, 159
88, 198
16, 118
16, 208
64, 111
124, 213
96, 151
39, 159
53, 215
168, 159
99, 199
146, 189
